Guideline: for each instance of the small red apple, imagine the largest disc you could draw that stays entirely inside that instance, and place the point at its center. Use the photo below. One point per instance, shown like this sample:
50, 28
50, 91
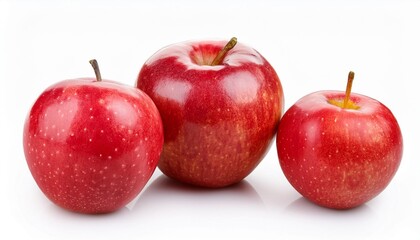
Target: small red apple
92, 145
220, 108
339, 150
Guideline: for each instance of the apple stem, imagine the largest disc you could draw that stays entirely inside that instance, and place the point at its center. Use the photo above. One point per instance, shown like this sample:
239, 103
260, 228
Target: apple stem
95, 66
348, 89
218, 59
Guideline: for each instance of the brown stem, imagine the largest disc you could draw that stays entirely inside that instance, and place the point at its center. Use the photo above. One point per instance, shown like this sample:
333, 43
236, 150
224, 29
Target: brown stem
95, 66
218, 59
348, 89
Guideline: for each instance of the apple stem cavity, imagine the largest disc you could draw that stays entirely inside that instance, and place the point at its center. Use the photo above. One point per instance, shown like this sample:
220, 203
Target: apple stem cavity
346, 103
95, 66
218, 59
348, 89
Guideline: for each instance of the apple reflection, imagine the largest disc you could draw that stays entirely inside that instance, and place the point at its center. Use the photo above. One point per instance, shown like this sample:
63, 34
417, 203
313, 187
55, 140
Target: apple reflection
241, 87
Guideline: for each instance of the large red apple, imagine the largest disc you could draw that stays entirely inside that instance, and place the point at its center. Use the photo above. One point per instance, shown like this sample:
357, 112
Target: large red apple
338, 149
220, 109
92, 145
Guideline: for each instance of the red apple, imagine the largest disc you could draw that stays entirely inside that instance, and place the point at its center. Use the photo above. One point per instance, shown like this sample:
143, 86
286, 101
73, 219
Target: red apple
338, 149
220, 109
92, 145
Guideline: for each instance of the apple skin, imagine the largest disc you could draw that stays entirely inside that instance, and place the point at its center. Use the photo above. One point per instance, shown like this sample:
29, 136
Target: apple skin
219, 121
339, 158
90, 145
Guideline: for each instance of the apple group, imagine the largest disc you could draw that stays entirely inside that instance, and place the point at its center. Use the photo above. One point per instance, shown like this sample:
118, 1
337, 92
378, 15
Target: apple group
205, 113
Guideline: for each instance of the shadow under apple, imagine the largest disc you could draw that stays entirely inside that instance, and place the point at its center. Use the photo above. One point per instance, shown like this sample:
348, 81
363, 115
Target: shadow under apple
304, 206
166, 202
356, 222
164, 192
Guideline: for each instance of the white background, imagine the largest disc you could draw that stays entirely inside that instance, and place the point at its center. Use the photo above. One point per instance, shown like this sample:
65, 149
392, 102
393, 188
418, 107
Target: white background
311, 45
